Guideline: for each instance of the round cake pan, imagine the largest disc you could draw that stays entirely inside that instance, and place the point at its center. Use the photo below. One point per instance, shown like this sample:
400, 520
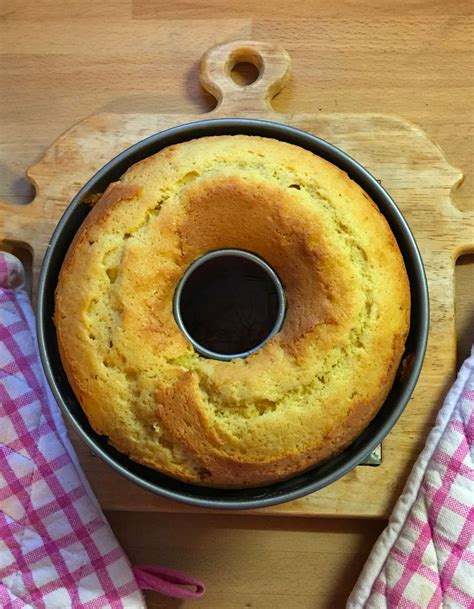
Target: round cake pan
302, 484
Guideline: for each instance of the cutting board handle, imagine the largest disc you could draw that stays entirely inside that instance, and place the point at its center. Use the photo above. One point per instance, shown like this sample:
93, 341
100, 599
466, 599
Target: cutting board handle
272, 62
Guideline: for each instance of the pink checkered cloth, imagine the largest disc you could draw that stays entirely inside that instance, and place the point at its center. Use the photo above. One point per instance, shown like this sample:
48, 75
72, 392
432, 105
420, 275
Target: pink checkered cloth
56, 548
425, 557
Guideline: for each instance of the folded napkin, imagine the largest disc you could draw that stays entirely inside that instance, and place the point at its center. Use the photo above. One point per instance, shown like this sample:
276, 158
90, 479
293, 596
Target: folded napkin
425, 557
56, 549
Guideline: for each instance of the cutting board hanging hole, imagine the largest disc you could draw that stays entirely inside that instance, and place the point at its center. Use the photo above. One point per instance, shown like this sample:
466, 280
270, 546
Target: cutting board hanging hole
244, 75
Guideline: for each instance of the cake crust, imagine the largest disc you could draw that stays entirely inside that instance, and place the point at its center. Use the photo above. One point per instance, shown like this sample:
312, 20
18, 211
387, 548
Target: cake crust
310, 390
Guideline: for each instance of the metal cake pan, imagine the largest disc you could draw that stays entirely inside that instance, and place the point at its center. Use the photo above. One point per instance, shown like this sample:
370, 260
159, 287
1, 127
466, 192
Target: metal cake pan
302, 484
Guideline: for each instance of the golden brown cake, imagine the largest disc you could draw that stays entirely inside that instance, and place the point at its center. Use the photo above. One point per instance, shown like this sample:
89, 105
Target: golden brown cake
310, 390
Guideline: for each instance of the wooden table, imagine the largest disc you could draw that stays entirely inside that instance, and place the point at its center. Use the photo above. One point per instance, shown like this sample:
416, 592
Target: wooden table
62, 61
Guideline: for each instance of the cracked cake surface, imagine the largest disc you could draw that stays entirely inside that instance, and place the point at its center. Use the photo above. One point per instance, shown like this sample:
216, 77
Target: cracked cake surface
302, 397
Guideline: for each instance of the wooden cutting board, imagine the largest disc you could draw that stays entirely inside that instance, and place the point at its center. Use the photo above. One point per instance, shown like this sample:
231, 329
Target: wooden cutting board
412, 169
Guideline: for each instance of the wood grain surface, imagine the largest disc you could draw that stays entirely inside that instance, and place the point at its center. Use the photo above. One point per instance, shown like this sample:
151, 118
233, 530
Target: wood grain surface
249, 562
397, 153
62, 62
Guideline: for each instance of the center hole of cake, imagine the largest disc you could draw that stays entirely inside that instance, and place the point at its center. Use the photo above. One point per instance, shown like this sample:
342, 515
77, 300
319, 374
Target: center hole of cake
229, 304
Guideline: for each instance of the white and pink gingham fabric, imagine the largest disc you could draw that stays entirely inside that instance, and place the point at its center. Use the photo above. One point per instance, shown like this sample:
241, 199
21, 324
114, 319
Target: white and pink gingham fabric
56, 548
425, 557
